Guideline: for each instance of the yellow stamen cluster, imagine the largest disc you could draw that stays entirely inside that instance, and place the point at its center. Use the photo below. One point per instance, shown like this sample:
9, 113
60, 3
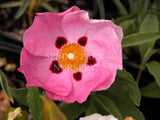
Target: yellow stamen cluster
72, 56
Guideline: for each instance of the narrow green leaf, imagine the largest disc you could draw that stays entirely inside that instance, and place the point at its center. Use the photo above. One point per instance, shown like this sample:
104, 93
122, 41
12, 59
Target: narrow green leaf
120, 7
11, 4
143, 5
131, 3
20, 95
121, 19
154, 69
101, 9
148, 54
134, 5
149, 24
140, 38
91, 109
152, 90
4, 84
127, 83
108, 105
35, 103
73, 110
22, 9
127, 25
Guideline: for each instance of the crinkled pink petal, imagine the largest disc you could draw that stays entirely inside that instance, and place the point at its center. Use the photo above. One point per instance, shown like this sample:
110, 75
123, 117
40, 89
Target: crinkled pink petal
107, 82
77, 24
90, 82
105, 46
37, 73
108, 23
40, 38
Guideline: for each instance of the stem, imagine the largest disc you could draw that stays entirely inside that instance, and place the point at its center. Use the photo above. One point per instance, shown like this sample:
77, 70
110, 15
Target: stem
101, 9
139, 75
144, 60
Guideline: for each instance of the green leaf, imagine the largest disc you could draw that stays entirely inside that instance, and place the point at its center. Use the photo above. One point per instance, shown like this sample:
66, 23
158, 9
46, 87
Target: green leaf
127, 25
20, 95
120, 97
91, 109
152, 90
101, 9
4, 84
142, 9
35, 103
147, 55
134, 5
22, 9
121, 19
73, 110
140, 38
154, 69
123, 103
127, 83
120, 7
149, 24
108, 105
11, 4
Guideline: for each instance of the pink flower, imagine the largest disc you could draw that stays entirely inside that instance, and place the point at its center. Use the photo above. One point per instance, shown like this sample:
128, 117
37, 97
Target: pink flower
69, 55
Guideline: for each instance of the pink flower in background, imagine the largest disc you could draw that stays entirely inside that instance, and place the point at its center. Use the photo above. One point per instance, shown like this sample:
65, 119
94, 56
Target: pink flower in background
69, 55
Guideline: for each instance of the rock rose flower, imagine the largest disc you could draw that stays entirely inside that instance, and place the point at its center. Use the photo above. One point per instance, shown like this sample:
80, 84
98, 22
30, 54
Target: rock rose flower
97, 116
69, 55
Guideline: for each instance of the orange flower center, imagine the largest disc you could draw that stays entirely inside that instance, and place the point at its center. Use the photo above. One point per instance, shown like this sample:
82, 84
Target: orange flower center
72, 56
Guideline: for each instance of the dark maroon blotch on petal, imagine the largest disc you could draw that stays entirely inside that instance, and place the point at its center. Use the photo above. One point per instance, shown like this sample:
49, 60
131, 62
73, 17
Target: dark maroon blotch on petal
60, 42
91, 60
55, 68
82, 41
77, 76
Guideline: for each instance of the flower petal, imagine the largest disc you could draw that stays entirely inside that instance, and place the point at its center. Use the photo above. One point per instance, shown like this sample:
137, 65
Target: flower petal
40, 38
90, 82
77, 24
37, 73
105, 46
